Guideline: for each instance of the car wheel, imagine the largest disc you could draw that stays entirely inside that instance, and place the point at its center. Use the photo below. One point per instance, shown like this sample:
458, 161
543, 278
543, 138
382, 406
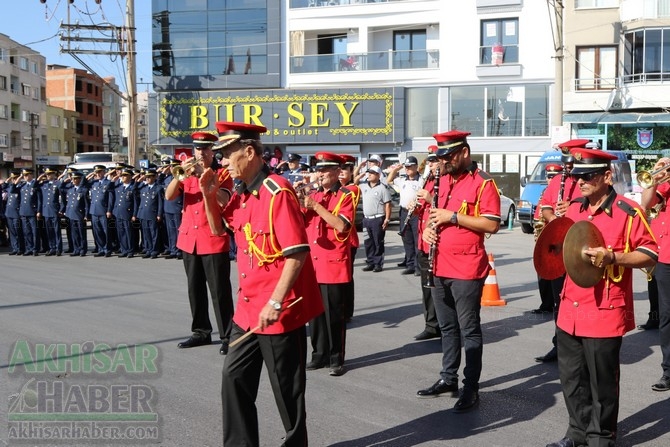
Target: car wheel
527, 228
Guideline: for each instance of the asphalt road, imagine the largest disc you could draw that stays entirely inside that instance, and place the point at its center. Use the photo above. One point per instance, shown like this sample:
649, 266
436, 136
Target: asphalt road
143, 302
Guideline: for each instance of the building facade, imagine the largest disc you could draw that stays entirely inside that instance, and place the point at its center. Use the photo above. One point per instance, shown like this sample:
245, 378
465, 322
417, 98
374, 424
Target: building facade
111, 112
22, 105
360, 77
617, 75
82, 92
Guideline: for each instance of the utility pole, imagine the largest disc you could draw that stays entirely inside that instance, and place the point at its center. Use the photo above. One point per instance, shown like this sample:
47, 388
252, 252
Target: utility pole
557, 106
126, 48
34, 122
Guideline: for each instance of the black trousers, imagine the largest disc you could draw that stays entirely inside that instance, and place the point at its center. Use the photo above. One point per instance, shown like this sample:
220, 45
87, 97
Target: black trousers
349, 294
429, 314
458, 303
284, 356
589, 373
374, 241
663, 281
410, 238
213, 271
328, 331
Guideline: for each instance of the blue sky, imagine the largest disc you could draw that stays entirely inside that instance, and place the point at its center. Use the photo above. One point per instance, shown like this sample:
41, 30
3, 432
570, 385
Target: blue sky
37, 25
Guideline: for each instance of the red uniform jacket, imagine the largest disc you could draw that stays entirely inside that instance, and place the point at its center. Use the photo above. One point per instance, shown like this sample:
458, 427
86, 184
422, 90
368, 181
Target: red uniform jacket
356, 195
268, 224
330, 249
660, 225
606, 309
195, 236
549, 197
460, 251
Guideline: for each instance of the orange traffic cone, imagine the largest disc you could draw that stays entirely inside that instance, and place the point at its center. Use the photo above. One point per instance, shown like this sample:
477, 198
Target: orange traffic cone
491, 292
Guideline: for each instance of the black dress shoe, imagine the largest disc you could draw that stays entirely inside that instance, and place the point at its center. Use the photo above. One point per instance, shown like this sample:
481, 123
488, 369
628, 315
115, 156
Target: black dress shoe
146, 256
402, 264
663, 384
407, 271
368, 268
311, 366
180, 256
426, 335
194, 341
223, 350
99, 254
438, 388
377, 269
417, 272
565, 442
36, 253
549, 357
154, 256
131, 255
12, 253
336, 371
74, 254
468, 400
170, 257
541, 311
123, 255
108, 254
50, 253
650, 324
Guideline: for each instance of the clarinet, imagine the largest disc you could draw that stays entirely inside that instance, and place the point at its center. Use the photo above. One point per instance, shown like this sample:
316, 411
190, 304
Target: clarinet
413, 205
430, 277
561, 189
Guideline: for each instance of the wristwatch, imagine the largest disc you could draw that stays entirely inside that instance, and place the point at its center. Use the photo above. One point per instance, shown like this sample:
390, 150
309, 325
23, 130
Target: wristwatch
454, 219
275, 305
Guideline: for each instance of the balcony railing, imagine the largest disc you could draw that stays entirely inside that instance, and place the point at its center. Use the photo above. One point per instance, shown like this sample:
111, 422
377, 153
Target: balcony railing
583, 84
317, 3
376, 60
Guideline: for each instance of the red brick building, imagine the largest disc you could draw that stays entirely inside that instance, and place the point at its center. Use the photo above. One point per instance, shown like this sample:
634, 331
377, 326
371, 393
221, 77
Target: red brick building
77, 90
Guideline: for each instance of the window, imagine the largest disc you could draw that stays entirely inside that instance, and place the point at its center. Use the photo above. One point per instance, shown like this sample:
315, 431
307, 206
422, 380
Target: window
3, 82
24, 63
4, 111
66, 147
25, 116
3, 140
421, 107
25, 90
90, 130
55, 145
3, 55
596, 68
55, 121
499, 42
596, 4
409, 49
89, 108
501, 110
65, 125
33, 67
647, 55
89, 87
77, 85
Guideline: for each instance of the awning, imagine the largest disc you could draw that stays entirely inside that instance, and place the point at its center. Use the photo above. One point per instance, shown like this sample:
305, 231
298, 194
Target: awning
616, 118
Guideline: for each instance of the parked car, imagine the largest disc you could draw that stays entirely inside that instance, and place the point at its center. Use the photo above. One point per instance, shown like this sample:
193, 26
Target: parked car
507, 210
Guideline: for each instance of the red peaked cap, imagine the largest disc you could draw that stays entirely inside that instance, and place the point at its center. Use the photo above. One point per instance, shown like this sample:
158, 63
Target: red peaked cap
326, 159
590, 160
230, 132
554, 168
567, 145
203, 138
449, 142
348, 159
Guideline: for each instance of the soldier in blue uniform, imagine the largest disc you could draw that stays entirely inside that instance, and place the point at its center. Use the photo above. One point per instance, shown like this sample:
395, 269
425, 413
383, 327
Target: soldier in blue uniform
292, 172
51, 211
76, 209
101, 210
172, 215
149, 210
124, 208
12, 215
31, 202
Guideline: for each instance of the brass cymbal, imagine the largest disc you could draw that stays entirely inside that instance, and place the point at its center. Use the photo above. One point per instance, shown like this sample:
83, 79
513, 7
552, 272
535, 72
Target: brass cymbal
548, 253
580, 237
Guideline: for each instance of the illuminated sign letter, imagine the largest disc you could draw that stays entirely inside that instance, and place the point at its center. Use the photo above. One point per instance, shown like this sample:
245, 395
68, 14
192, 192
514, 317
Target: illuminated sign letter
252, 114
294, 109
318, 110
346, 115
199, 117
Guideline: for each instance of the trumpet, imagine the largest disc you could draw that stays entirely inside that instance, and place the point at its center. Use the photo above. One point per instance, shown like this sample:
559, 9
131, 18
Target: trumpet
186, 169
647, 179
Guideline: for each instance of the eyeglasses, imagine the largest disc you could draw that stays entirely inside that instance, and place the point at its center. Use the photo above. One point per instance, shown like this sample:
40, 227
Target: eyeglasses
586, 177
450, 155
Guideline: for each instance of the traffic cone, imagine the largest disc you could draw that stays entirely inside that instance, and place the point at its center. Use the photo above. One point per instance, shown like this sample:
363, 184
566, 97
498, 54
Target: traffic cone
491, 292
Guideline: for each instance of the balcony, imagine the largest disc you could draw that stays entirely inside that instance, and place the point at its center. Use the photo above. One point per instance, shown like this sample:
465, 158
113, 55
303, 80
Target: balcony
320, 3
644, 9
597, 83
376, 60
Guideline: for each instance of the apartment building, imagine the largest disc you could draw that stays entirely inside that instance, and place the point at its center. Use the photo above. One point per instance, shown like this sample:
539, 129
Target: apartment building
77, 90
22, 105
111, 112
61, 137
143, 147
617, 74
361, 77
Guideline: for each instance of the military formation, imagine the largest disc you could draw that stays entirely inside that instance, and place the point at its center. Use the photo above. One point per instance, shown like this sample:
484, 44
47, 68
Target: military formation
122, 209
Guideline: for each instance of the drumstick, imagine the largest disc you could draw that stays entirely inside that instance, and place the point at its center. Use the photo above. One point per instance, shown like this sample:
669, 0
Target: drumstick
248, 334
